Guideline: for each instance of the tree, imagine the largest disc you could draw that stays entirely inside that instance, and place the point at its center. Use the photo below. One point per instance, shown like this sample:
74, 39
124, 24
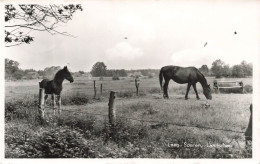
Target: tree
237, 71
216, 68
12, 70
204, 69
49, 72
21, 19
81, 72
247, 68
226, 71
219, 68
98, 69
11, 66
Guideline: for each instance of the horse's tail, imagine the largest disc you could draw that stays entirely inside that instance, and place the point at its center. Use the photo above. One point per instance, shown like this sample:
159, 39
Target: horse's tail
161, 77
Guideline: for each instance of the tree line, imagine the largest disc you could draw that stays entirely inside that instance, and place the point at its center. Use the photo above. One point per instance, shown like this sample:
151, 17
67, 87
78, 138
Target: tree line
13, 72
220, 69
99, 69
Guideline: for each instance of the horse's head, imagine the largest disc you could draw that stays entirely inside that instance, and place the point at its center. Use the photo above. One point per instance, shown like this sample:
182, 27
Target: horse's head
207, 92
67, 74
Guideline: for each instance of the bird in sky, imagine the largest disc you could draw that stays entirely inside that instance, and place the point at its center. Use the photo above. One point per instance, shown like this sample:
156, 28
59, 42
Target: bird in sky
205, 44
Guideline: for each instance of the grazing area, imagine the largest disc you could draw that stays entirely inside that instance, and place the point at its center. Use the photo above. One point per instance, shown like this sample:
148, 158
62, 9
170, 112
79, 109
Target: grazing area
147, 126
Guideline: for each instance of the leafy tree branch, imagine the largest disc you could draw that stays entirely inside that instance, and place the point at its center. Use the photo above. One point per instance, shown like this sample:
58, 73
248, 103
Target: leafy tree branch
21, 19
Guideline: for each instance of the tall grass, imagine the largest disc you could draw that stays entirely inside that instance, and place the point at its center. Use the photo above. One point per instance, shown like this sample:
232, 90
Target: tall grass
77, 134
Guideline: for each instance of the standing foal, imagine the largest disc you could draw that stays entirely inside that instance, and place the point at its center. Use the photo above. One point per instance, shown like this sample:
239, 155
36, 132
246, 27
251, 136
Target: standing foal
54, 87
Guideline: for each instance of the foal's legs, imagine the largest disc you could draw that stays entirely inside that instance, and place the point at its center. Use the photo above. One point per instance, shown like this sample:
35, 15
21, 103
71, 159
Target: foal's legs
195, 89
188, 89
53, 103
165, 88
42, 106
45, 99
59, 103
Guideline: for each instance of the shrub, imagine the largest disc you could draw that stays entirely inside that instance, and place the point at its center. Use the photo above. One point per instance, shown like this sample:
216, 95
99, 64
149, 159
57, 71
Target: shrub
115, 77
125, 94
124, 132
75, 100
20, 109
54, 143
84, 123
248, 89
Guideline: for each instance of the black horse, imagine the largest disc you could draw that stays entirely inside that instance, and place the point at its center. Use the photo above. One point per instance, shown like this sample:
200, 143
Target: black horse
182, 75
54, 87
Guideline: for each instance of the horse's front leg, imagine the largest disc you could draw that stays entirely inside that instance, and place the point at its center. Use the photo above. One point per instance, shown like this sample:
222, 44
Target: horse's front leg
59, 103
195, 89
165, 89
53, 103
187, 92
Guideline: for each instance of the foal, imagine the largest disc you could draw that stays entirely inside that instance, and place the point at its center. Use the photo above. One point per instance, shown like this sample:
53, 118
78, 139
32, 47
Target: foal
54, 87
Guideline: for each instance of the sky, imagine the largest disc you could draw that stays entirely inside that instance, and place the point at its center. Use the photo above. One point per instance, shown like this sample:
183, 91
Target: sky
148, 34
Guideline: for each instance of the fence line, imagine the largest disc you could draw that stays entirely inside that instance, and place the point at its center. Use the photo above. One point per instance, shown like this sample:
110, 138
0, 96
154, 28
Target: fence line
162, 122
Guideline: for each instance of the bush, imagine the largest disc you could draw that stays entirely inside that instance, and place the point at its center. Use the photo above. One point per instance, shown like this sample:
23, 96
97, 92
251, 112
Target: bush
124, 132
75, 100
125, 94
248, 89
84, 123
54, 143
20, 109
115, 77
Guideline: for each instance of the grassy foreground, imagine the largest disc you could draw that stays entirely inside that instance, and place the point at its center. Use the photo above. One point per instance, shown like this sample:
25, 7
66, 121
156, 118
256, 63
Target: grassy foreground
82, 130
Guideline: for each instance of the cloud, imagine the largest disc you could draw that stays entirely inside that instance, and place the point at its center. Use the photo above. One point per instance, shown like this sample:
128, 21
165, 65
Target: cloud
193, 57
124, 50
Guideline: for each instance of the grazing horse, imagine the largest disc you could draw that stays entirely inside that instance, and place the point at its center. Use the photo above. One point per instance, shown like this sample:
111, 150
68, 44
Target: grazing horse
54, 87
248, 133
182, 75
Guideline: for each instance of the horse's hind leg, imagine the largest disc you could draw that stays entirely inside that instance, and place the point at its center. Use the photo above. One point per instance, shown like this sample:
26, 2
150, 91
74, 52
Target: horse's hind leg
53, 103
187, 92
165, 89
195, 89
59, 103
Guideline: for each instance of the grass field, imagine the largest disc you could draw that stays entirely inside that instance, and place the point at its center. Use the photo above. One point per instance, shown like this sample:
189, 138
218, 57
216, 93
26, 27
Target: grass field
79, 133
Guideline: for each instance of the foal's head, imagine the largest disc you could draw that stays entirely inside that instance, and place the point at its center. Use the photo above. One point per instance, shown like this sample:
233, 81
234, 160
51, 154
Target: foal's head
67, 74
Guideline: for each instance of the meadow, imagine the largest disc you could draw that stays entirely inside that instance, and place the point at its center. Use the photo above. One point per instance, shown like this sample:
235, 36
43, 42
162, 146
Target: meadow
148, 126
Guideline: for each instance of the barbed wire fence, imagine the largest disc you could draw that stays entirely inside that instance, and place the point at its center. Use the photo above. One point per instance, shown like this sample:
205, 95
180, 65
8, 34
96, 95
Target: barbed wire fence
112, 116
142, 120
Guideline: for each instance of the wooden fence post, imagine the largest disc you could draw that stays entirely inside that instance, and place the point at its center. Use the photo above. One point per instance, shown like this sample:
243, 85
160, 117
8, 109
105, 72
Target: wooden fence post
95, 89
112, 109
242, 86
41, 102
137, 86
101, 89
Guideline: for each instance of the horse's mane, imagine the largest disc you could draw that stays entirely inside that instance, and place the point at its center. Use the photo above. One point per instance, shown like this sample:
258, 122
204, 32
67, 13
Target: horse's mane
58, 74
203, 77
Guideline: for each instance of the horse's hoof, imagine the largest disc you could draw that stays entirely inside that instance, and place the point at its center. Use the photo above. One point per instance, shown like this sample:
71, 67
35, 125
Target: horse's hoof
198, 98
186, 98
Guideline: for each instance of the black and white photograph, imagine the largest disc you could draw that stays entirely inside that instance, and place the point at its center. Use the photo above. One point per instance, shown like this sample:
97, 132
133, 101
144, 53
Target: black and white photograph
130, 80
